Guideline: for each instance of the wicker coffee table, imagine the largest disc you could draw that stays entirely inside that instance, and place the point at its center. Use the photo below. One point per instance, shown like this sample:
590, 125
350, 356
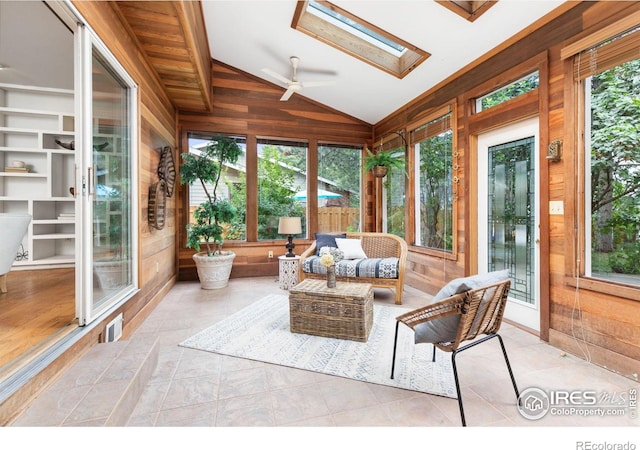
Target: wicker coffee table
343, 312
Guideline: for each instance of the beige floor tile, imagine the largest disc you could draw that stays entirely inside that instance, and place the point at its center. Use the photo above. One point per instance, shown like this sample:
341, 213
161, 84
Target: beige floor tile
192, 388
190, 391
238, 383
245, 411
199, 415
52, 407
198, 365
98, 403
342, 394
298, 403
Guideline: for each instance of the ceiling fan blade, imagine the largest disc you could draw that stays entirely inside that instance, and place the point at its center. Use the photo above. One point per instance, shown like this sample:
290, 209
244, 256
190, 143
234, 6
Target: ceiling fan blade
318, 83
288, 93
317, 71
276, 75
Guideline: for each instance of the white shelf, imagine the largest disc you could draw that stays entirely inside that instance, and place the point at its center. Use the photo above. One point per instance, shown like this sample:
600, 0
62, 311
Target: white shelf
31, 119
23, 175
28, 112
54, 236
58, 260
24, 150
54, 222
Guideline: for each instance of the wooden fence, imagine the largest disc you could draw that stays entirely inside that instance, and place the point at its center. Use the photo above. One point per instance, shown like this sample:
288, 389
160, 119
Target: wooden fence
330, 219
334, 219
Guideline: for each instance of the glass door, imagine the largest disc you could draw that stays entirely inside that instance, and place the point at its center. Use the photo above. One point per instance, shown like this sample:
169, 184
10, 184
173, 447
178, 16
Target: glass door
108, 201
508, 215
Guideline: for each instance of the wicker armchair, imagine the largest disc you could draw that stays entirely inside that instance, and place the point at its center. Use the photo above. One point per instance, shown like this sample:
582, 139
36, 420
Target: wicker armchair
478, 311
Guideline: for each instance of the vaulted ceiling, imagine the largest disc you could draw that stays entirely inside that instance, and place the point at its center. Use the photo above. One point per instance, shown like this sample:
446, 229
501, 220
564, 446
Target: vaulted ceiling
173, 36
257, 35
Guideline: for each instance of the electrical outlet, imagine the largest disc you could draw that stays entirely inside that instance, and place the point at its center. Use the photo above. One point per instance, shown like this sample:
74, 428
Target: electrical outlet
556, 207
270, 254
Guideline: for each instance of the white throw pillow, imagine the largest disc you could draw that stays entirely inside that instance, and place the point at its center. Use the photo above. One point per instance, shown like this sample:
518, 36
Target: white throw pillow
352, 248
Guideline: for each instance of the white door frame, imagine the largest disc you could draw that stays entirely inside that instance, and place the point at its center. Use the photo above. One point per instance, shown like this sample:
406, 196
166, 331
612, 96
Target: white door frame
86, 42
517, 311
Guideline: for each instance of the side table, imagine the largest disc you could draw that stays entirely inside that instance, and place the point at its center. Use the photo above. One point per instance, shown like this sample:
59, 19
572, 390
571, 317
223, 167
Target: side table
288, 274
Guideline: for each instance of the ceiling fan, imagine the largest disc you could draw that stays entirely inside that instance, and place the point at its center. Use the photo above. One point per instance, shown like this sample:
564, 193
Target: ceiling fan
293, 85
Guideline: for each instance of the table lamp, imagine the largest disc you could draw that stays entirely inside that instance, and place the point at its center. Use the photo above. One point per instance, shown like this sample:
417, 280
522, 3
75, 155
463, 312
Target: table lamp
289, 226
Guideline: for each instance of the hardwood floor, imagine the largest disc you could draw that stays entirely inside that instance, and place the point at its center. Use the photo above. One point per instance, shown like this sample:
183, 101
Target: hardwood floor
38, 308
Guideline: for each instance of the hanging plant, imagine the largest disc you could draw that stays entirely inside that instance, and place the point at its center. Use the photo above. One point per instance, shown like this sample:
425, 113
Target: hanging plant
382, 162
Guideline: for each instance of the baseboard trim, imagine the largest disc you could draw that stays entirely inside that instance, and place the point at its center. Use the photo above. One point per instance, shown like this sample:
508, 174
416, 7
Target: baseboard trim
607, 359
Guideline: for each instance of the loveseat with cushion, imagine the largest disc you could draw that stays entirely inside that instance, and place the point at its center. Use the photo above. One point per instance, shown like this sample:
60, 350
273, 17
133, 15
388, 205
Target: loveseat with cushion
376, 258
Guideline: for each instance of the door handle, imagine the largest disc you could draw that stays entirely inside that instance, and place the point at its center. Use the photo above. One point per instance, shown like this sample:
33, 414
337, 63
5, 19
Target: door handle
90, 172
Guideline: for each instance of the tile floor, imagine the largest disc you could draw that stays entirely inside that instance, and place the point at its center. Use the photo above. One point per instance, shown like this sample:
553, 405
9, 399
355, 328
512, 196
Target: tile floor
192, 388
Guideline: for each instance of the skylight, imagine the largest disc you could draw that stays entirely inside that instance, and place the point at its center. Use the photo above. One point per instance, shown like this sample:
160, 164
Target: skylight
470, 10
358, 29
340, 29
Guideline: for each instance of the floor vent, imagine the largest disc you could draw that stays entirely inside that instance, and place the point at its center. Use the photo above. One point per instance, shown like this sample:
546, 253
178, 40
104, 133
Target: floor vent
113, 332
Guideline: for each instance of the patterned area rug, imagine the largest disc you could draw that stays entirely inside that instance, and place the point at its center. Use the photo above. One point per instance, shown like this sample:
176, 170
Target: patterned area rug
261, 332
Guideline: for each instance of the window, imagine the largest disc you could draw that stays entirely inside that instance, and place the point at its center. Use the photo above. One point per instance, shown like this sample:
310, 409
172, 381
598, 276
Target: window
513, 90
282, 178
234, 186
394, 187
433, 144
341, 29
608, 77
338, 188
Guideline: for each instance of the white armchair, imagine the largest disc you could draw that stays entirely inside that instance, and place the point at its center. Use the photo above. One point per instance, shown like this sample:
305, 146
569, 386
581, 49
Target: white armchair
14, 227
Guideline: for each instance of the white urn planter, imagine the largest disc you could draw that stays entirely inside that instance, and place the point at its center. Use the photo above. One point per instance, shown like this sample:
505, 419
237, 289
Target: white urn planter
214, 271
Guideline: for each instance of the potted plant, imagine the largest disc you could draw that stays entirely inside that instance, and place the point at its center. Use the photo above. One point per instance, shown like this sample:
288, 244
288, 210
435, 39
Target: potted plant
214, 264
383, 161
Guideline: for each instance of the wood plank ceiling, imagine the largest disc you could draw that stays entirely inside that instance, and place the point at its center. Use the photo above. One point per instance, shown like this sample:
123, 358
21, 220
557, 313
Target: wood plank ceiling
173, 37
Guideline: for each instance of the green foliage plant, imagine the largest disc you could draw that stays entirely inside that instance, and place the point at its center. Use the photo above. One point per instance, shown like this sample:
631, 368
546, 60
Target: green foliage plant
625, 259
215, 211
391, 159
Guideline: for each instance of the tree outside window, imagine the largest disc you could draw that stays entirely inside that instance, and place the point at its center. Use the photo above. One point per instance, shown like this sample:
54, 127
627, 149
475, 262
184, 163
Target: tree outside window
233, 186
338, 188
394, 192
434, 200
281, 175
613, 151
513, 90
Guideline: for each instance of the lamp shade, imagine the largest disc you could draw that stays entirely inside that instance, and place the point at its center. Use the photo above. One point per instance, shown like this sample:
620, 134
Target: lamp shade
289, 225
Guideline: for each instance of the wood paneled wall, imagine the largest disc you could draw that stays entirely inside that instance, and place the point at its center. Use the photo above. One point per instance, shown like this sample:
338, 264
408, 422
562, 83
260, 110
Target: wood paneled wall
609, 329
248, 106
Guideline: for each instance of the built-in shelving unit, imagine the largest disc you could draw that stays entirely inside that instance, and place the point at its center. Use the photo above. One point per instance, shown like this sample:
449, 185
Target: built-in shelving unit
31, 120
